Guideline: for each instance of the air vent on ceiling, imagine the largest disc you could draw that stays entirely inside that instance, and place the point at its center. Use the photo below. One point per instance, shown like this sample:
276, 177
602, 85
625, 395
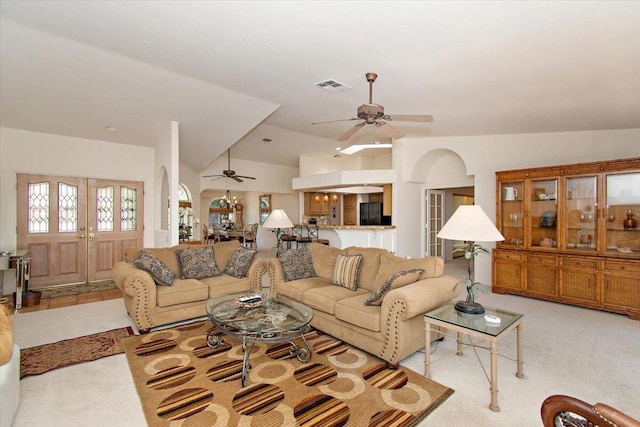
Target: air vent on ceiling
332, 85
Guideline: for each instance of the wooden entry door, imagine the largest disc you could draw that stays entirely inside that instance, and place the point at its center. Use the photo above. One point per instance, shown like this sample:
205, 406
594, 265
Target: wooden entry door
76, 228
113, 214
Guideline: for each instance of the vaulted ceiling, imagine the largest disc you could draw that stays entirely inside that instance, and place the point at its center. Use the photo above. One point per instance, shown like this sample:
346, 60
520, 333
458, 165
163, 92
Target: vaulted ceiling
239, 72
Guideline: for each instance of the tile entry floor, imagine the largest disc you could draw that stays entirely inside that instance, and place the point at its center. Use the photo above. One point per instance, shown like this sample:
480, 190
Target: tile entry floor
67, 300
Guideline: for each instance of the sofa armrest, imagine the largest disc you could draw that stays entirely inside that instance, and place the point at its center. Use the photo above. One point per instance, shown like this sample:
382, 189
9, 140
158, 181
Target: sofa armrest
276, 275
139, 292
422, 296
257, 269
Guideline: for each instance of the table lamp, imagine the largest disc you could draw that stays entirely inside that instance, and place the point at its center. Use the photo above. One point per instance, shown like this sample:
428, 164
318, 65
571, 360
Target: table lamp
470, 224
278, 219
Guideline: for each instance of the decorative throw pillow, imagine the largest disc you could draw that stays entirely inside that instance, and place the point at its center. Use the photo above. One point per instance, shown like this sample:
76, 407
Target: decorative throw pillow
297, 264
197, 262
345, 273
240, 262
394, 281
158, 270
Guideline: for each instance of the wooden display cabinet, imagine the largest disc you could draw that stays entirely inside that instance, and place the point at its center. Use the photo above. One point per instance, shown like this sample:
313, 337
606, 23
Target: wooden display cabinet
571, 234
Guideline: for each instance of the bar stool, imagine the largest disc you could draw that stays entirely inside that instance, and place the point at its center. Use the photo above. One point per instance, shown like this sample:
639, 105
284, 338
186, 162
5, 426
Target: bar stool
287, 237
312, 231
301, 239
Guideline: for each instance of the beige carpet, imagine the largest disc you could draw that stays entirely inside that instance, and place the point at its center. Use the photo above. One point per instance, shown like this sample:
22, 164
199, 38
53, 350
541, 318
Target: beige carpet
44, 358
179, 378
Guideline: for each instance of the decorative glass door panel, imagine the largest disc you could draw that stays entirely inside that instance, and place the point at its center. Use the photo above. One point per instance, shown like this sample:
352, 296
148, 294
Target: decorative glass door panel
434, 222
544, 211
581, 222
622, 212
512, 213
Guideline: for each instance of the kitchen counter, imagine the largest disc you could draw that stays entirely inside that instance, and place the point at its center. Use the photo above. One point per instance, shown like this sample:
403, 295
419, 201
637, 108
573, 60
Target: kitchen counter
354, 227
371, 236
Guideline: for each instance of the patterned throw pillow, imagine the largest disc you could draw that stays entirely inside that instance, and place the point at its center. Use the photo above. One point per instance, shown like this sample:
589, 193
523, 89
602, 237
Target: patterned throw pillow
297, 264
197, 262
394, 281
158, 270
240, 262
345, 273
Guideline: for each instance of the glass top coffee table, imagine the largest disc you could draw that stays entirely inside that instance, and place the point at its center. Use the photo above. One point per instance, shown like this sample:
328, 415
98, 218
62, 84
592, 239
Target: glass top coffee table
270, 321
475, 325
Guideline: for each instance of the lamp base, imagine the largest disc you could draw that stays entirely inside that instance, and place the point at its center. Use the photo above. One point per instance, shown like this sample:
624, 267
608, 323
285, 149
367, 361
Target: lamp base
469, 307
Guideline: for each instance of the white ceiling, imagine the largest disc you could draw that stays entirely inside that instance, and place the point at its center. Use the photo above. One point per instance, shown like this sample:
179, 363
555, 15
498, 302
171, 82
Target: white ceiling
238, 72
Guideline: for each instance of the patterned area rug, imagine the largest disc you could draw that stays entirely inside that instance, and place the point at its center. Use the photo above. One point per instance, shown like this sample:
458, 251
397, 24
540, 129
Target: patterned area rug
81, 288
44, 358
181, 381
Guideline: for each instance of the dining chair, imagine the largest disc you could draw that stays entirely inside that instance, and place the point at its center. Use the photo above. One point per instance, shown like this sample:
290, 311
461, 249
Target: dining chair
248, 238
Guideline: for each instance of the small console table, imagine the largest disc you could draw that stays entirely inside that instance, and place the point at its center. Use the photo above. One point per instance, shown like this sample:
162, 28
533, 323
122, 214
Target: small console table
19, 260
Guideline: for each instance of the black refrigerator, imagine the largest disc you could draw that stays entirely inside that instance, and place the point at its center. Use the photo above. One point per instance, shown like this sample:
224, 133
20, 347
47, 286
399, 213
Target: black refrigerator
371, 214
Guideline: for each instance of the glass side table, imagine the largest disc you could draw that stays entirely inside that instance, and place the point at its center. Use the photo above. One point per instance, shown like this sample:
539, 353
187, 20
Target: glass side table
475, 325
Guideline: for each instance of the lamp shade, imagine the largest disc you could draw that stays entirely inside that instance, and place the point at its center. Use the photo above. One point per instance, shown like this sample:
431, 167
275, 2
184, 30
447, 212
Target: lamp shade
470, 223
277, 219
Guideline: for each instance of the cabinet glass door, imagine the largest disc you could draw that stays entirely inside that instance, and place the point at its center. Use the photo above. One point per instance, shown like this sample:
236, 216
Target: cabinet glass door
512, 213
622, 213
581, 213
544, 211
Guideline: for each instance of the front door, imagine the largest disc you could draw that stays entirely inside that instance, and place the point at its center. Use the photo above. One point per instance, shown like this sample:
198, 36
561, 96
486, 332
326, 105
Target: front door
76, 228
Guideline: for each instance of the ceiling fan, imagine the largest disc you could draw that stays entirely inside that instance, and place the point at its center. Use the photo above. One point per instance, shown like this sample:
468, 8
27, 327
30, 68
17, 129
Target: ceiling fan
228, 172
373, 114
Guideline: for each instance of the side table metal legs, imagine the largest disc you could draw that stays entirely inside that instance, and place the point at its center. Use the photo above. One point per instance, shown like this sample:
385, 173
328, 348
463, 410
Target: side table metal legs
520, 361
494, 377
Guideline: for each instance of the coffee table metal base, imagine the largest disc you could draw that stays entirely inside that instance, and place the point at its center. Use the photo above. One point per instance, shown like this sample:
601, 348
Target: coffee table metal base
302, 353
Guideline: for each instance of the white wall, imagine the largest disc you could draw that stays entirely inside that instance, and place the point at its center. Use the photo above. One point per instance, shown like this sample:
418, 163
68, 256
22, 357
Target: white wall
166, 157
314, 166
40, 153
483, 156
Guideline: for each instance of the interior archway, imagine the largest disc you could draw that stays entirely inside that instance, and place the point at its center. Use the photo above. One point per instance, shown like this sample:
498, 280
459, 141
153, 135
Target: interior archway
445, 185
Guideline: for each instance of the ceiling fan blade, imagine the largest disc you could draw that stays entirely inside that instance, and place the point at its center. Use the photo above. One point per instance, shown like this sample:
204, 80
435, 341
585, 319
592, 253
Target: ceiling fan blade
245, 177
389, 130
212, 176
351, 132
409, 118
235, 178
334, 121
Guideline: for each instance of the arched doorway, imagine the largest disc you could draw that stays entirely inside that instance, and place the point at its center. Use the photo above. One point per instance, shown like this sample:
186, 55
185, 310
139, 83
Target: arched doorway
445, 185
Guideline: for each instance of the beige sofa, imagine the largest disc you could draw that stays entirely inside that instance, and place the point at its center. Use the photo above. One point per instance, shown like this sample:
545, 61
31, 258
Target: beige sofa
151, 305
392, 330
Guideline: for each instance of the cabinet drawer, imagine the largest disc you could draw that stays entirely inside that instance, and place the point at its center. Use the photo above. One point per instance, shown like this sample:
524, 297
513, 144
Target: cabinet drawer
620, 266
580, 263
509, 255
541, 259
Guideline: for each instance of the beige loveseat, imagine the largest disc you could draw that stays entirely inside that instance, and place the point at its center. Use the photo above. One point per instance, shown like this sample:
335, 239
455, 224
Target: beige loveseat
392, 330
151, 305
